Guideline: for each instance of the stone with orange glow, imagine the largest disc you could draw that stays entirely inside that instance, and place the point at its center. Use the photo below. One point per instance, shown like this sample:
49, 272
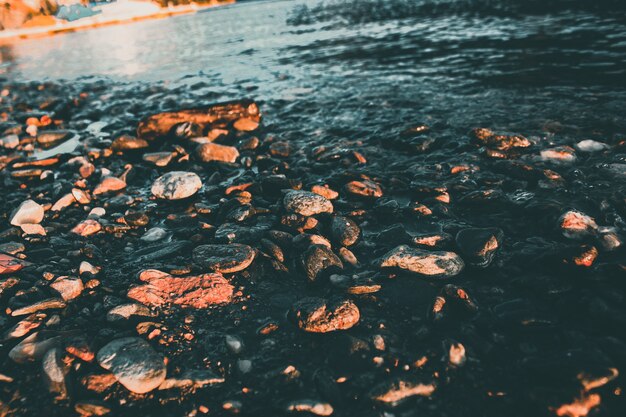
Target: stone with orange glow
194, 292
577, 225
318, 315
435, 264
213, 152
396, 391
365, 188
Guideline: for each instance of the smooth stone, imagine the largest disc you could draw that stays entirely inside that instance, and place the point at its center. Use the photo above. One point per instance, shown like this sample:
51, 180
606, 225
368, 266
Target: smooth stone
176, 185
28, 212
127, 143
160, 159
318, 315
134, 363
48, 304
55, 372
33, 348
306, 203
589, 145
209, 152
479, 246
128, 311
436, 264
319, 261
109, 184
193, 378
53, 137
345, 231
154, 234
559, 155
225, 259
317, 408
68, 288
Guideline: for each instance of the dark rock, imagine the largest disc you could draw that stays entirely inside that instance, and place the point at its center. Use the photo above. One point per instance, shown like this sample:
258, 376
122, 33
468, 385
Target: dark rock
345, 231
479, 246
425, 263
225, 259
319, 261
317, 315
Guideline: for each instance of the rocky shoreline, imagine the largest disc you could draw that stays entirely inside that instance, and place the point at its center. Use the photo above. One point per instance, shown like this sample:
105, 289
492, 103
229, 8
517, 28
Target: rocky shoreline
189, 261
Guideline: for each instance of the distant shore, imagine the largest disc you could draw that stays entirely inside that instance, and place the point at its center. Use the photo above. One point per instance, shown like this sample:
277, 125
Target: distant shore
132, 12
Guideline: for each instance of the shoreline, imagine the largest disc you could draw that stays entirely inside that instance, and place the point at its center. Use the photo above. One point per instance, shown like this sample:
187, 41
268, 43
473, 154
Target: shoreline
101, 20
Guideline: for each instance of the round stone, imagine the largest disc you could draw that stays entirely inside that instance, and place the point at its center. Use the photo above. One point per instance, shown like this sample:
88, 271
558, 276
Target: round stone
134, 364
318, 315
176, 185
29, 212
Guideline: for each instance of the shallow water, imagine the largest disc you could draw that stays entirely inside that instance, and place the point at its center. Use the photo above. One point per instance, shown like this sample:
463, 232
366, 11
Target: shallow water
352, 75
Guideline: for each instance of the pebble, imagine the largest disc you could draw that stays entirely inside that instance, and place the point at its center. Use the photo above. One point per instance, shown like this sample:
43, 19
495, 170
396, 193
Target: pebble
234, 344
319, 261
577, 225
479, 246
87, 227
33, 229
209, 152
154, 234
225, 259
317, 408
25, 326
502, 142
366, 188
306, 203
134, 363
318, 315
176, 185
10, 142
47, 304
589, 145
127, 143
198, 292
86, 267
55, 373
437, 264
160, 159
89, 408
63, 202
68, 288
396, 391
345, 231
128, 311
28, 212
559, 155
10, 264
33, 348
193, 378
109, 184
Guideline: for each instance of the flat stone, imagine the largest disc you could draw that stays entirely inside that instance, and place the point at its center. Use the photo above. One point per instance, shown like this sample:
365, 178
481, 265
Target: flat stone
306, 203
87, 227
160, 159
55, 372
313, 407
33, 348
194, 378
318, 315
127, 143
429, 264
28, 212
479, 246
109, 184
48, 304
225, 259
10, 264
176, 185
198, 292
366, 188
134, 363
396, 391
209, 152
128, 311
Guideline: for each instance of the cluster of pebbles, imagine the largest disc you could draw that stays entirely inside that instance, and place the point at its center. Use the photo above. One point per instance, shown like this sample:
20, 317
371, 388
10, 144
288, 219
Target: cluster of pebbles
196, 264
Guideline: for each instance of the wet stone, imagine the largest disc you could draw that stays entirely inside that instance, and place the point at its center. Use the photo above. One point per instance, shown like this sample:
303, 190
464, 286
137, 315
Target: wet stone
436, 264
397, 391
577, 225
225, 259
365, 189
319, 261
318, 315
306, 203
479, 246
127, 143
176, 185
345, 231
134, 363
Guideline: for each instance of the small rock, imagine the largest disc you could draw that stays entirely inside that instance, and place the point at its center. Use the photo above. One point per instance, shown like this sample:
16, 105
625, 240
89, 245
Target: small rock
559, 155
33, 348
366, 188
68, 287
109, 184
55, 372
33, 229
225, 259
345, 231
87, 227
479, 246
127, 311
176, 185
317, 315
85, 267
160, 159
10, 142
317, 408
29, 212
209, 152
154, 234
234, 344
431, 264
318, 261
194, 378
589, 145
306, 203
396, 391
91, 408
48, 304
134, 363
9, 264
127, 143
